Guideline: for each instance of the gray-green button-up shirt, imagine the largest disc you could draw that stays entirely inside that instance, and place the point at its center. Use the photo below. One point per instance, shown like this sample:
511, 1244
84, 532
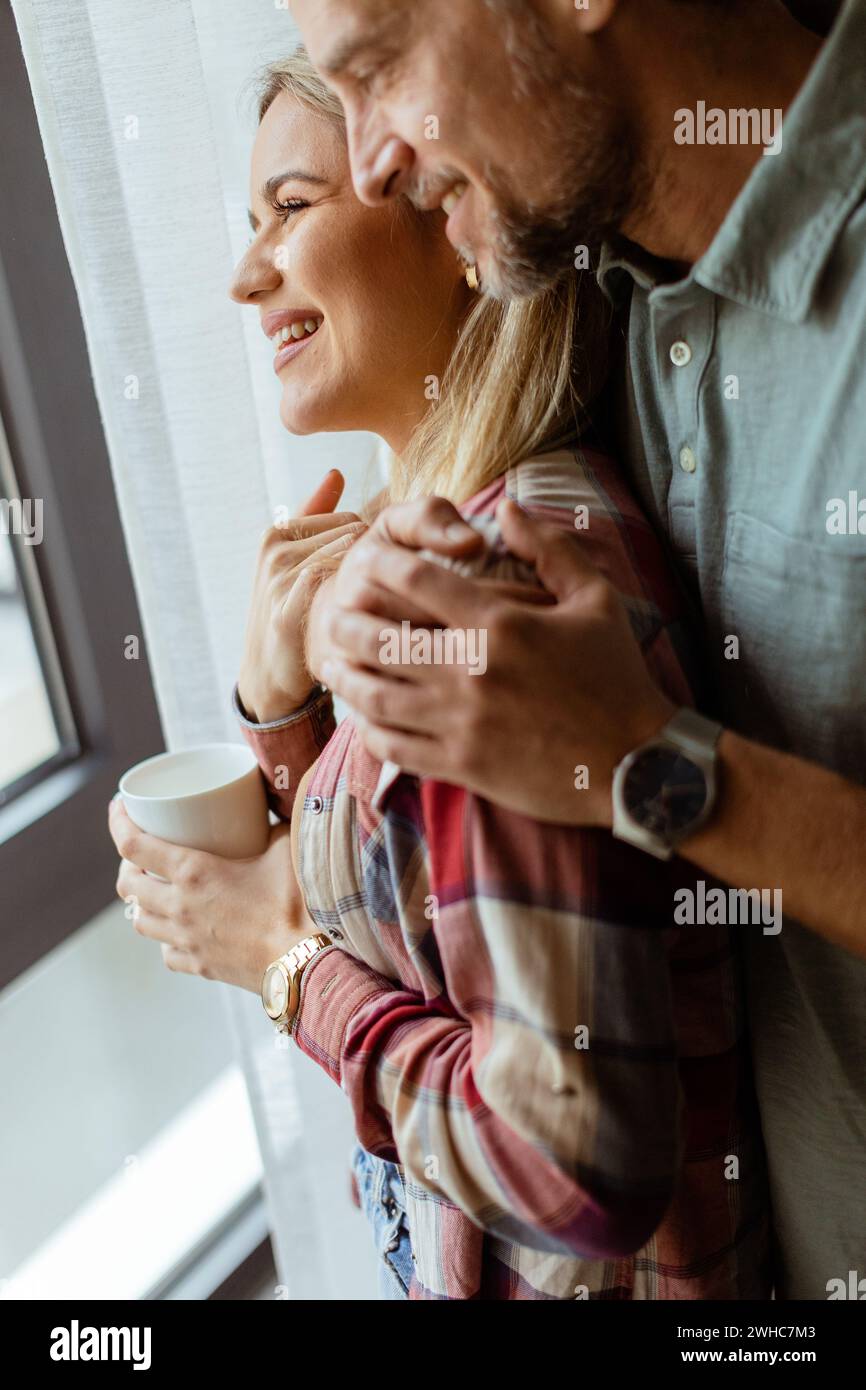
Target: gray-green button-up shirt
745, 436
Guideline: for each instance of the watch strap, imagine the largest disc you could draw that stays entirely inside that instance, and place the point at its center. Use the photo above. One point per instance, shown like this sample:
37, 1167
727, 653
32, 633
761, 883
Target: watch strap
299, 957
295, 962
692, 732
696, 737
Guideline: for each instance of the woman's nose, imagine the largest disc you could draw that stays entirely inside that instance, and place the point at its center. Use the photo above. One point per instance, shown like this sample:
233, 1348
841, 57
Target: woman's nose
255, 273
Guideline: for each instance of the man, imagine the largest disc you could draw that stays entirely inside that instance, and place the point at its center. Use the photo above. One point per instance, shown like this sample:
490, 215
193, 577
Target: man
717, 154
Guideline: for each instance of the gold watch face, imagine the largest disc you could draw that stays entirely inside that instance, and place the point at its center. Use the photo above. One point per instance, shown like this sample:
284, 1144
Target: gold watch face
275, 991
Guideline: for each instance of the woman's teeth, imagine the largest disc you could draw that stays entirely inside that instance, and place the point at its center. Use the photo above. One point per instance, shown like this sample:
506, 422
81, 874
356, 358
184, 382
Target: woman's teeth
300, 329
452, 198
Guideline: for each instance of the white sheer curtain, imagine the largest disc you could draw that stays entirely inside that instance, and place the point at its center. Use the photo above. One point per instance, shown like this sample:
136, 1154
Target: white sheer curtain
147, 142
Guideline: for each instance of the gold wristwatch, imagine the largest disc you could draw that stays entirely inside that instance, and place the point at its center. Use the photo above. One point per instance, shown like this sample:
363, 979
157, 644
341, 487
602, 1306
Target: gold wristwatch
281, 982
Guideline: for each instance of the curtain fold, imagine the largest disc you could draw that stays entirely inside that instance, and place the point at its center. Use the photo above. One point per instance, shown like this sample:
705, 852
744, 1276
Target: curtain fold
147, 145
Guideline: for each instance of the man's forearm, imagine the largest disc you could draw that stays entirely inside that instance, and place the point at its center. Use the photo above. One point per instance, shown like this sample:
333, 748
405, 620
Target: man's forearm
782, 823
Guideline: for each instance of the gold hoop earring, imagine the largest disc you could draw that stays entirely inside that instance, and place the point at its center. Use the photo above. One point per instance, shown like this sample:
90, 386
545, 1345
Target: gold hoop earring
472, 279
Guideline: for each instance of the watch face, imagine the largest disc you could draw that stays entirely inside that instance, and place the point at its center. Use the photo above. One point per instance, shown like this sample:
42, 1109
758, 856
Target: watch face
275, 991
664, 791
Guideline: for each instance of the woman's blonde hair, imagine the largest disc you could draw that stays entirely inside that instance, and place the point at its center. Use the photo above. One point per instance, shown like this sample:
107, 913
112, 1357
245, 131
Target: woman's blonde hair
521, 377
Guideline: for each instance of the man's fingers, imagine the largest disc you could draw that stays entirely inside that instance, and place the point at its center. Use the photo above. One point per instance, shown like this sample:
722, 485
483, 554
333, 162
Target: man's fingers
390, 703
448, 599
344, 594
516, 592
356, 591
365, 639
431, 523
560, 566
421, 756
326, 495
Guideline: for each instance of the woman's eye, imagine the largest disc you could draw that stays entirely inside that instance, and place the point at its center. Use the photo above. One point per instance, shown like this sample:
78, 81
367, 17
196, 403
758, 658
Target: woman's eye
289, 207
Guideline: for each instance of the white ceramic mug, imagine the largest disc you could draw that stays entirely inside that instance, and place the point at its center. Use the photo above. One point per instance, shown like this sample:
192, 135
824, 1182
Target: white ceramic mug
211, 798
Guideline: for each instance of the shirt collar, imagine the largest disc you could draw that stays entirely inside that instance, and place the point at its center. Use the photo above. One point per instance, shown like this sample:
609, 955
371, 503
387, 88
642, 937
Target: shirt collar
774, 243
387, 777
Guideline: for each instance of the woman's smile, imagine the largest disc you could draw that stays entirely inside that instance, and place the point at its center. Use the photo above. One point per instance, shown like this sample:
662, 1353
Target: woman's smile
290, 330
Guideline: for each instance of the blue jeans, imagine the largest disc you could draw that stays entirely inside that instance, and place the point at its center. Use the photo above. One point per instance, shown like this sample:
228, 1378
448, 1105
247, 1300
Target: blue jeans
383, 1202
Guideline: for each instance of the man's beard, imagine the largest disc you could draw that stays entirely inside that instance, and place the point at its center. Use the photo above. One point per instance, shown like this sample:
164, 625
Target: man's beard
533, 246
582, 135
588, 152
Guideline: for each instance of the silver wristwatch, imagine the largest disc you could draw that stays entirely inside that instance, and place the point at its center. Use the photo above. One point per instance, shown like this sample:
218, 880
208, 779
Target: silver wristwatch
665, 789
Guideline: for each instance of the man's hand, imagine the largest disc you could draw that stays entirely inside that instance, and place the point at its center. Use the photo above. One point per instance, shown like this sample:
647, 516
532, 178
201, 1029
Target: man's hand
428, 522
293, 560
566, 686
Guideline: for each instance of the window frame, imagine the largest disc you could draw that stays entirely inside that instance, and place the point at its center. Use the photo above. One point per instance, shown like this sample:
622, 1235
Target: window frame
57, 863
30, 591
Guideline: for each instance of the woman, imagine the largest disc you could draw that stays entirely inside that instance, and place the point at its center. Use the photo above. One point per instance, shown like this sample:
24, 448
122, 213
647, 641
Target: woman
550, 1083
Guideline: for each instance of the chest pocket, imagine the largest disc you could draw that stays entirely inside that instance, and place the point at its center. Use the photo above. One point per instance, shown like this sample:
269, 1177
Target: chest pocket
799, 612
364, 872
327, 851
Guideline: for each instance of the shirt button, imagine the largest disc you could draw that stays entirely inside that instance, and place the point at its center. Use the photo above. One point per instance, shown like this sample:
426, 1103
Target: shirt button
688, 460
317, 805
681, 354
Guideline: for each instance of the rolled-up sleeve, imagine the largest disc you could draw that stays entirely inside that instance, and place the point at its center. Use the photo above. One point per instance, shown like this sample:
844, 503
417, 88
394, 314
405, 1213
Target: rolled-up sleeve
286, 748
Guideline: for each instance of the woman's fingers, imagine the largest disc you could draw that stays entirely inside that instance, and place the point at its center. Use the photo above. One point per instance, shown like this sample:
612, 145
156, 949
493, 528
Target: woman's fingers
149, 894
304, 533
313, 547
343, 540
145, 851
179, 960
326, 495
161, 929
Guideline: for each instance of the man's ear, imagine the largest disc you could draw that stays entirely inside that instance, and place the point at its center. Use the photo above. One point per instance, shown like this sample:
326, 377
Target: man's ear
593, 15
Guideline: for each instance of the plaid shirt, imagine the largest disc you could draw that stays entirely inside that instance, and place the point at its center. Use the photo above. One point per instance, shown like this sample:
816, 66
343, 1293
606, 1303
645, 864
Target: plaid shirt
561, 1073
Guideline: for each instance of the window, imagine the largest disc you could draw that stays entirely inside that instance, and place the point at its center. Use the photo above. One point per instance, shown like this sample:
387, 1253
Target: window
36, 728
127, 1072
73, 713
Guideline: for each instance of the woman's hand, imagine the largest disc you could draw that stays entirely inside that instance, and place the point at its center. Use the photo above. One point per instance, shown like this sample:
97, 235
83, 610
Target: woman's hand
293, 561
221, 919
